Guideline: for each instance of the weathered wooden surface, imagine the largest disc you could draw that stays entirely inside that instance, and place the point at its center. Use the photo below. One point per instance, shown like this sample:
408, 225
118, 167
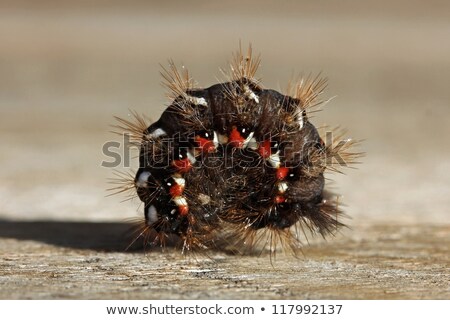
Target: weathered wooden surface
65, 70
57, 260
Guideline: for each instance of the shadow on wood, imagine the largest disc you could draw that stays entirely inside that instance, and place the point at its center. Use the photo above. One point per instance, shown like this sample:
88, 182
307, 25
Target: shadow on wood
100, 236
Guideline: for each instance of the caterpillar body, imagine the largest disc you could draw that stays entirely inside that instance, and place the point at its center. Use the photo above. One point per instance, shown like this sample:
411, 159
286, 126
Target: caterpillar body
235, 164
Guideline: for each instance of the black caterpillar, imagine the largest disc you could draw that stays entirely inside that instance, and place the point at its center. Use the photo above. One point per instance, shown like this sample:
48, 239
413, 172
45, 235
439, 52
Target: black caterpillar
235, 165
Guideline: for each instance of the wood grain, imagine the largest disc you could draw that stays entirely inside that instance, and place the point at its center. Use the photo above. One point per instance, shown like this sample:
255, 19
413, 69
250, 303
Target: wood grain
60, 260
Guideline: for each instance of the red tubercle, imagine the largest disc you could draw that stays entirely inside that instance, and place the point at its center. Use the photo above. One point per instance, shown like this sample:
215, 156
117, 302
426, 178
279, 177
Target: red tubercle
205, 144
176, 190
279, 199
236, 138
282, 173
184, 210
264, 149
182, 165
322, 143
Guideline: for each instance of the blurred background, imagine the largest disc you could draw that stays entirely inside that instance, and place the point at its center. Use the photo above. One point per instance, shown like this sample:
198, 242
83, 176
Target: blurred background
66, 67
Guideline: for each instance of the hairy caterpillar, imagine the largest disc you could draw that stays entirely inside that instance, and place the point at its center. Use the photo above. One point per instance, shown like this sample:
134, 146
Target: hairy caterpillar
235, 164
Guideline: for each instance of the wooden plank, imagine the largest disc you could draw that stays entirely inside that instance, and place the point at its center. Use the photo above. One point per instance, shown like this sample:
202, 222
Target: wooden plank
65, 260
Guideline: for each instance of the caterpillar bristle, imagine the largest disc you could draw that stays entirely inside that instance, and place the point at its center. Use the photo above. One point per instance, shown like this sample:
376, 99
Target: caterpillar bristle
340, 151
236, 167
133, 127
177, 83
248, 241
245, 65
148, 235
308, 90
139, 229
123, 183
241, 79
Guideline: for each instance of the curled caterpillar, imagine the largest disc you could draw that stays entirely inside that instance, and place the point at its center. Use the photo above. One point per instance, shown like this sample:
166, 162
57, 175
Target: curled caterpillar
235, 164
